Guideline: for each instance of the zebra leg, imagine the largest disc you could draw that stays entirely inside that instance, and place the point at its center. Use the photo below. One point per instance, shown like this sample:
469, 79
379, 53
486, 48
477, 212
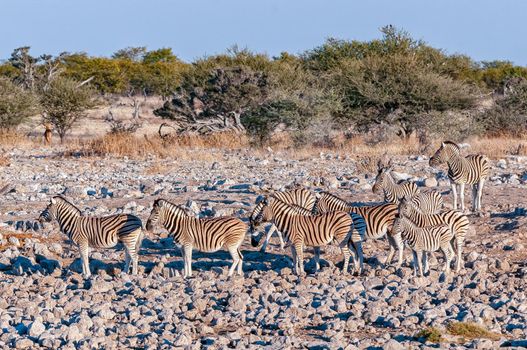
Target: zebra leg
448, 253
391, 253
316, 250
187, 258
293, 255
268, 237
474, 197
346, 253
84, 251
426, 268
127, 259
235, 259
480, 192
415, 262
400, 248
135, 259
300, 258
462, 196
454, 194
459, 251
419, 255
131, 244
240, 262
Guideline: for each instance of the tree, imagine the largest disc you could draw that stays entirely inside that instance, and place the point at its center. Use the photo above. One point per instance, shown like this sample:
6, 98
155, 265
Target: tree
135, 54
26, 64
219, 103
64, 103
16, 104
160, 55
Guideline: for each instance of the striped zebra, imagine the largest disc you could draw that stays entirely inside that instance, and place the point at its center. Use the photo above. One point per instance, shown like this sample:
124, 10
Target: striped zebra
472, 170
425, 239
91, 232
300, 197
379, 220
456, 221
206, 235
429, 202
303, 229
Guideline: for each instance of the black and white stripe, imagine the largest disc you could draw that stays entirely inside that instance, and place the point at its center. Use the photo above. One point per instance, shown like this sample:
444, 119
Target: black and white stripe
378, 218
91, 232
456, 221
471, 170
425, 239
300, 197
302, 229
429, 202
206, 235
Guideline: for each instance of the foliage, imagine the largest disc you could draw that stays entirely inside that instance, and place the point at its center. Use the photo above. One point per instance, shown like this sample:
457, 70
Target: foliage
469, 330
431, 334
16, 104
509, 114
64, 103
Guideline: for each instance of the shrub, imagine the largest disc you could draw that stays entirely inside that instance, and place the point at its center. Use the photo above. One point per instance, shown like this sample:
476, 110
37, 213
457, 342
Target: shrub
64, 103
16, 104
469, 330
431, 334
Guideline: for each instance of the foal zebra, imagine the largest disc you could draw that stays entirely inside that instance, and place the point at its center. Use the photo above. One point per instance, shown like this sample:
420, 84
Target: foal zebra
425, 239
429, 202
379, 220
300, 197
472, 170
456, 221
302, 229
90, 232
206, 235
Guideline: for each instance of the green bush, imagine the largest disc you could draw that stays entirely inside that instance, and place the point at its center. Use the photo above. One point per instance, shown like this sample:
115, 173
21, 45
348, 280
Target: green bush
65, 103
16, 104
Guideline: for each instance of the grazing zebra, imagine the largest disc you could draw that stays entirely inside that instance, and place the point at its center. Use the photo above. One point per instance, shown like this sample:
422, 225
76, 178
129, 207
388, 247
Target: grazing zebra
379, 220
471, 170
90, 232
300, 197
456, 221
303, 229
206, 235
425, 239
429, 202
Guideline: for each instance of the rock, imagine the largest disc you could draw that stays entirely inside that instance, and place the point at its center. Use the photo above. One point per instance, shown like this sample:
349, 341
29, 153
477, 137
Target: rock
393, 344
73, 333
36, 328
430, 182
14, 241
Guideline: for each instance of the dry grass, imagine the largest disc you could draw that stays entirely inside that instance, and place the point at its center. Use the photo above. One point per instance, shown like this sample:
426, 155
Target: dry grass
431, 334
4, 161
498, 147
21, 237
469, 330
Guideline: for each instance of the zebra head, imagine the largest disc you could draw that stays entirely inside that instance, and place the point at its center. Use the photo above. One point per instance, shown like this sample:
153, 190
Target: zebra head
257, 218
381, 180
156, 212
405, 207
444, 153
52, 210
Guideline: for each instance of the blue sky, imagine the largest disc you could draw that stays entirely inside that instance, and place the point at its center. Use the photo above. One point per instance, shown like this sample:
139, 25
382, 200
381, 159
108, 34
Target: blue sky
484, 30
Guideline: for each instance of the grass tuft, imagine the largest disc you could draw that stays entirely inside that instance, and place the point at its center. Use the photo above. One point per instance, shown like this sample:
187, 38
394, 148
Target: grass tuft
431, 334
469, 330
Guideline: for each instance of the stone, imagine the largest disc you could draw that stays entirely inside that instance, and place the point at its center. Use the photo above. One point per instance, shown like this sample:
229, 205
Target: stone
393, 344
36, 328
430, 182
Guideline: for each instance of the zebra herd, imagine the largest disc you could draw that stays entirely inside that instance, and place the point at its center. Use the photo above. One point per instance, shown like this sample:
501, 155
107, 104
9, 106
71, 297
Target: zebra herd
304, 218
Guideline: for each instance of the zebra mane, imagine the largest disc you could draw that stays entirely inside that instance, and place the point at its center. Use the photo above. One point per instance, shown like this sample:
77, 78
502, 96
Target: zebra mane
328, 194
70, 205
452, 144
171, 207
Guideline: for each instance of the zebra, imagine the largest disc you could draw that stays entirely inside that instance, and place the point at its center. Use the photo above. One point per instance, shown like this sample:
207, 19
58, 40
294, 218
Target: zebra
425, 239
379, 220
455, 220
206, 235
301, 228
429, 202
300, 197
472, 170
92, 232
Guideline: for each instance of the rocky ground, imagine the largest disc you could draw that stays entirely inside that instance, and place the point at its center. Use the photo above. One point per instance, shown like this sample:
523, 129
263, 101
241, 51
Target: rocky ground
44, 301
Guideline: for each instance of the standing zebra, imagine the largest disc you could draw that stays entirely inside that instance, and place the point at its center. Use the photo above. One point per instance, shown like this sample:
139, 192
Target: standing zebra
206, 235
90, 232
456, 221
300, 197
302, 229
379, 220
429, 202
425, 239
471, 170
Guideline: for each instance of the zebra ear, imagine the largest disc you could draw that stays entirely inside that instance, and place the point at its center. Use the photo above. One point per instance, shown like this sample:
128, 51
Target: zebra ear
442, 144
53, 200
